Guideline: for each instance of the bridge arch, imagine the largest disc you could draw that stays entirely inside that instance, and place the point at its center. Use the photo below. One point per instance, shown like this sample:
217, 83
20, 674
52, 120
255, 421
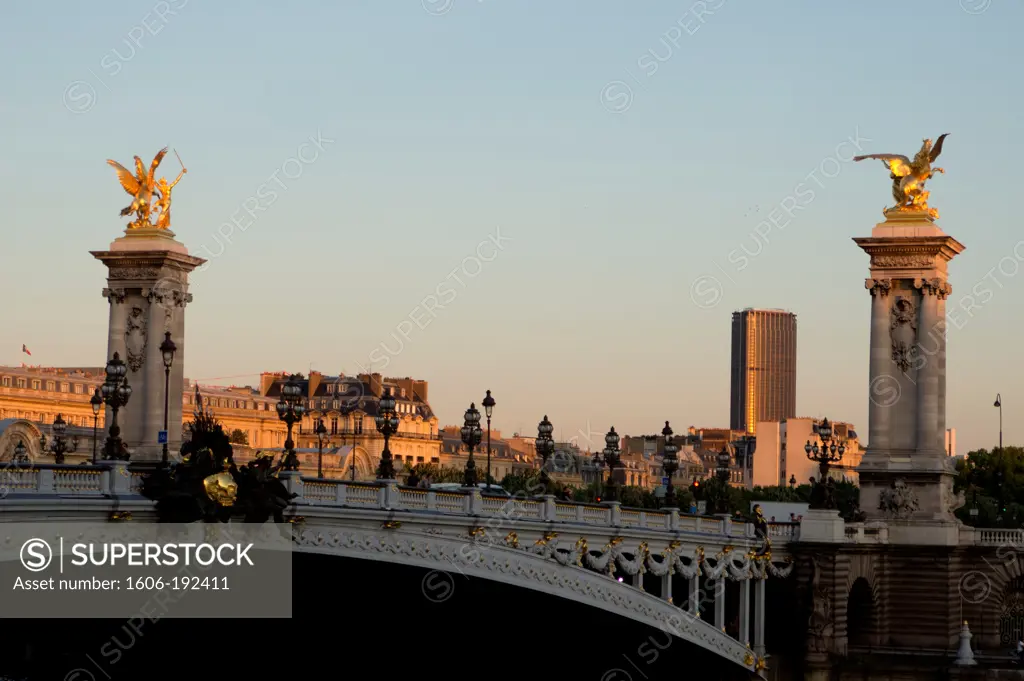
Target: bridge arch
523, 569
861, 614
13, 431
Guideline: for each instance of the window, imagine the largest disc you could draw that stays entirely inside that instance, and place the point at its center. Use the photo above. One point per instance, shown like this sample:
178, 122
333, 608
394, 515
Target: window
357, 425
334, 426
21, 382
335, 404
35, 385
65, 388
7, 381
50, 386
79, 388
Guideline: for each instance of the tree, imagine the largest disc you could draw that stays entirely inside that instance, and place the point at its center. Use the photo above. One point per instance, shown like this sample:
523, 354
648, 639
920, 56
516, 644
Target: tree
239, 437
992, 483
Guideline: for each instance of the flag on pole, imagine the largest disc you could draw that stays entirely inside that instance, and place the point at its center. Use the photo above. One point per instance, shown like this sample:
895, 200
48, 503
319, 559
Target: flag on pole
25, 350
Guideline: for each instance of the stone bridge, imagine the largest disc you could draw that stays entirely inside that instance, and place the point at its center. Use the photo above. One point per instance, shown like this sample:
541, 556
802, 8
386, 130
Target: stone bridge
665, 569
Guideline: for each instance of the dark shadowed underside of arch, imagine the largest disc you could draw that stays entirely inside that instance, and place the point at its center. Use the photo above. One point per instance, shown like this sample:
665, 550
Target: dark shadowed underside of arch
399, 619
860, 614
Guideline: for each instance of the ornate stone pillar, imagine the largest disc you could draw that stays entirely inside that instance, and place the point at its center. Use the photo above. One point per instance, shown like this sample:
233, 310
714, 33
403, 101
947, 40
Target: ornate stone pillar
720, 602
148, 290
904, 473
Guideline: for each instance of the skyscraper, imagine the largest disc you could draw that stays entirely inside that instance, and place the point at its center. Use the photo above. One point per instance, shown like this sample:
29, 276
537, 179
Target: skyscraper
763, 368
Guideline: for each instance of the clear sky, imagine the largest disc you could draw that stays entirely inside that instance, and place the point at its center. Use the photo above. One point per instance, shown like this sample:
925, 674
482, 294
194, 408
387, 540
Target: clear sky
445, 123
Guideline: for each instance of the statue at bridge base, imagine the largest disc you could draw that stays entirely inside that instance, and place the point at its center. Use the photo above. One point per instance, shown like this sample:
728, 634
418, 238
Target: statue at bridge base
207, 486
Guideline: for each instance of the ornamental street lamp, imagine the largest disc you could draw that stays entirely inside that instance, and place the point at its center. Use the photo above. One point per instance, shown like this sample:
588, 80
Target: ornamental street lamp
999, 405
167, 349
60, 445
611, 457
290, 409
20, 453
387, 425
670, 462
545, 446
321, 437
723, 460
488, 405
792, 481
116, 393
97, 404
471, 436
830, 452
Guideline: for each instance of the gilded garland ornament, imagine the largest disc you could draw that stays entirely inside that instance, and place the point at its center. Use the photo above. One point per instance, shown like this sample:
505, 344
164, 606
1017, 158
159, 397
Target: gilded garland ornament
909, 177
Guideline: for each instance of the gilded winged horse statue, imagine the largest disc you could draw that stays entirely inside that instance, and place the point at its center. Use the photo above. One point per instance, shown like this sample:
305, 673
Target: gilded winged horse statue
908, 176
148, 194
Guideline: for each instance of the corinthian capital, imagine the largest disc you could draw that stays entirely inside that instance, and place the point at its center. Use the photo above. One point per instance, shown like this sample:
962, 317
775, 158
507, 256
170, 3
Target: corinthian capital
114, 295
934, 286
878, 287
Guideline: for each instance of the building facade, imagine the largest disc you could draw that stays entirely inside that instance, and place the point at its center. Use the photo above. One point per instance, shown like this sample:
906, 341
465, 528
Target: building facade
347, 404
763, 368
780, 452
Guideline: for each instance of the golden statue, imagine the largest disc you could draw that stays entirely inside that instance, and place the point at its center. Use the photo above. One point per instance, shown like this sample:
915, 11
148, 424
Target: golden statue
908, 177
142, 186
221, 488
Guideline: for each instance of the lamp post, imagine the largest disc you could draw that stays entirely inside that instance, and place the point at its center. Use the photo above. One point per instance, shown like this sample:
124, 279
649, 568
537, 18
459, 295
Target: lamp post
611, 457
167, 349
670, 462
116, 393
999, 405
723, 461
830, 452
290, 409
60, 445
471, 436
598, 467
488, 404
97, 404
545, 448
387, 425
792, 481
20, 453
321, 437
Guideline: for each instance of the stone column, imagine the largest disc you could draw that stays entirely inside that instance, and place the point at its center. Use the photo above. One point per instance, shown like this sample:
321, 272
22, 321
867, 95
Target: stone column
927, 373
148, 289
720, 602
666, 586
694, 600
880, 361
744, 636
759, 617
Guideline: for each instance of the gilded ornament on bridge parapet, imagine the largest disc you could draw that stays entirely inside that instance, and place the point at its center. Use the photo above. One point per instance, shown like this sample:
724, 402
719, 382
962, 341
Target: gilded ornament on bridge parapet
512, 539
391, 525
909, 178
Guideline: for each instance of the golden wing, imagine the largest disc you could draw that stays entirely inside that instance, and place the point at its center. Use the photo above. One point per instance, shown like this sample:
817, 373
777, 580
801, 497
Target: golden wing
156, 161
128, 181
140, 170
899, 165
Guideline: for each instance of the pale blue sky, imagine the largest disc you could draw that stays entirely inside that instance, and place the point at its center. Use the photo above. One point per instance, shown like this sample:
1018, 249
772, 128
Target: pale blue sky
447, 127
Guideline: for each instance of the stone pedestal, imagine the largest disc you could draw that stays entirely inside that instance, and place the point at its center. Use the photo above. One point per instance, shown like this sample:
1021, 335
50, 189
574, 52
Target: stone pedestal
822, 526
906, 464
147, 288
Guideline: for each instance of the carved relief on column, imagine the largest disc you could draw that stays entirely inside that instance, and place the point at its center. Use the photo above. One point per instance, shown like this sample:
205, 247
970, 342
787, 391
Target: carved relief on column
114, 295
903, 332
820, 622
135, 336
878, 287
934, 286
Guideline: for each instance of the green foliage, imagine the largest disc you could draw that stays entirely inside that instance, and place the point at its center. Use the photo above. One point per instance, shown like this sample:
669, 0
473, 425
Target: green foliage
439, 473
239, 437
993, 483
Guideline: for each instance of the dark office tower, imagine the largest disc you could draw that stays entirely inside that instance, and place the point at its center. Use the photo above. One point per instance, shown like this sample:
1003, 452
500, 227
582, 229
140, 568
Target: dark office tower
763, 368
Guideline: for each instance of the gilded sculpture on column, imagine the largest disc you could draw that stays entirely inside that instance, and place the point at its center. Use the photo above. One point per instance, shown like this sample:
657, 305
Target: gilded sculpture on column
909, 177
150, 197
